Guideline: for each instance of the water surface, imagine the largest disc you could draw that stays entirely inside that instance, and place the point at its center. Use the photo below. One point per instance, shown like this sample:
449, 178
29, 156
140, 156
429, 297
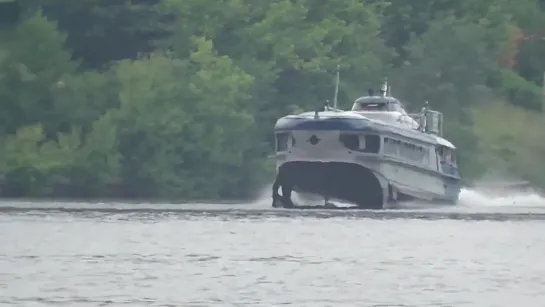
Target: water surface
73, 254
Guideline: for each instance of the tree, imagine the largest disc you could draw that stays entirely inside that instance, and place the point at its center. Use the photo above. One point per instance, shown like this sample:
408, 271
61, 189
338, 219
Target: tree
172, 98
35, 61
185, 118
448, 66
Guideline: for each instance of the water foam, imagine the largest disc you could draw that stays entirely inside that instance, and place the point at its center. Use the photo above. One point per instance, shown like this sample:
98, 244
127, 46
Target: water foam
474, 198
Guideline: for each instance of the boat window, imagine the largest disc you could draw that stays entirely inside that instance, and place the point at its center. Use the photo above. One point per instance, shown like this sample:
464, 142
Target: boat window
439, 151
446, 155
449, 156
405, 150
362, 143
379, 106
282, 141
350, 141
390, 148
372, 144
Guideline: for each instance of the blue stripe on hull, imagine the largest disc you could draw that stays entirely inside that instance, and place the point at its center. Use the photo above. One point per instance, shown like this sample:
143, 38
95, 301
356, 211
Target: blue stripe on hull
342, 124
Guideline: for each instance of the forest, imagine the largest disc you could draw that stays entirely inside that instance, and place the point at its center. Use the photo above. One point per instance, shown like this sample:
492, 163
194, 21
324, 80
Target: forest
176, 99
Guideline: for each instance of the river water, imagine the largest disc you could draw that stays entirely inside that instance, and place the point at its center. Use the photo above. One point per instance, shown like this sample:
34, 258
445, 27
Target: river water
485, 252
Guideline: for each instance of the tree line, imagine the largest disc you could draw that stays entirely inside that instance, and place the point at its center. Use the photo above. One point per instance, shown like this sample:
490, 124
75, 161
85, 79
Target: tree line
177, 98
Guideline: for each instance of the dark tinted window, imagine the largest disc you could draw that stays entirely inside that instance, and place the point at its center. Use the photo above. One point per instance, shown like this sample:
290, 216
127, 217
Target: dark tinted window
350, 141
282, 141
372, 144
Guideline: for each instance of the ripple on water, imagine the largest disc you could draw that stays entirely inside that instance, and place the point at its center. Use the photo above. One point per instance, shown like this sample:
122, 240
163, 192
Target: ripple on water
270, 257
151, 216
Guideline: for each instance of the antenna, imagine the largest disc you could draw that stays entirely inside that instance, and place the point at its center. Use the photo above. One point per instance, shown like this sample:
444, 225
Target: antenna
337, 87
384, 88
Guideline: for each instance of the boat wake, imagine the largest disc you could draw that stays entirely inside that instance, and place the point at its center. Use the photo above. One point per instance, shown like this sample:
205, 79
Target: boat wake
473, 205
470, 200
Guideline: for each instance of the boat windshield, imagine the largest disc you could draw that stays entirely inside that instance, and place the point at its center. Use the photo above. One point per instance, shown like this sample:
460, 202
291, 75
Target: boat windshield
379, 106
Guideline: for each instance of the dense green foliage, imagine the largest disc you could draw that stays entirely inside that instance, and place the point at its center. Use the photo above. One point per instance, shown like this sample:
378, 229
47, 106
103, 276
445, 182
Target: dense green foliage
177, 98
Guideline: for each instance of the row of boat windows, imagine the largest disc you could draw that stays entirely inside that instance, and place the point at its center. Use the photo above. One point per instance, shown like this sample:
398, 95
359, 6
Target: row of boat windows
366, 143
411, 152
371, 144
355, 142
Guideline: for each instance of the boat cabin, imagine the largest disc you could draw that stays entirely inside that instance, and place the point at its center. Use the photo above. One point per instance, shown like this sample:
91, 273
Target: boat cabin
378, 103
384, 108
390, 109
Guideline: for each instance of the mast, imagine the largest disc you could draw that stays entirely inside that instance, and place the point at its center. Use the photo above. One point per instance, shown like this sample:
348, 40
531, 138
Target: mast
384, 89
337, 87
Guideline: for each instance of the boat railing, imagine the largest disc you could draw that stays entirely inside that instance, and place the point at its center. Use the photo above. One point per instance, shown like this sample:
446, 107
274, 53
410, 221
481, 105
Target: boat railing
430, 121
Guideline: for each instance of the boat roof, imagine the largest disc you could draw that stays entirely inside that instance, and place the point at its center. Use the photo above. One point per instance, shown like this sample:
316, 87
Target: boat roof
376, 99
443, 142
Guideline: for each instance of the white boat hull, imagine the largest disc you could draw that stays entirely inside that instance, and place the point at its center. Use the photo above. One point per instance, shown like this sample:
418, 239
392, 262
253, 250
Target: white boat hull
328, 168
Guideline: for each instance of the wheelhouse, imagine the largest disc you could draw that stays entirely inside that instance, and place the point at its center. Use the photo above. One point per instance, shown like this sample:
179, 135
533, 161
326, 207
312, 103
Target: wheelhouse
378, 103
